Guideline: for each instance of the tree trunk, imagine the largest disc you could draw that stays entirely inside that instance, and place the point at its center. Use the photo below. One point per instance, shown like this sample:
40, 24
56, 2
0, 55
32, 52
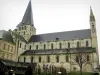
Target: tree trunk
80, 70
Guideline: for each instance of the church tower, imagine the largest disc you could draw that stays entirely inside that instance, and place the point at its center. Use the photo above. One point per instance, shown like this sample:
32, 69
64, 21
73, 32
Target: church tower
26, 27
93, 29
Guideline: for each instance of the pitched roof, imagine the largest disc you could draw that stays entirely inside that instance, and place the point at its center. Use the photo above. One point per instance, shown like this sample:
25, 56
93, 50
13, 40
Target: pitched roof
28, 17
5, 35
67, 35
59, 51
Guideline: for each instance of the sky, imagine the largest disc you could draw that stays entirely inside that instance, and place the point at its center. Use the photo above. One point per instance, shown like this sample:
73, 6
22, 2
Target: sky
51, 15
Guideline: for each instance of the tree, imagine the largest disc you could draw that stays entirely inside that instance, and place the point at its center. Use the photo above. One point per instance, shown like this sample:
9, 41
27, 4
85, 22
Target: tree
81, 59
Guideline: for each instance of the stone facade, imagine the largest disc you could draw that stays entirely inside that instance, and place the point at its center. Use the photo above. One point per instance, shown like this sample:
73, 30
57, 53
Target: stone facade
7, 50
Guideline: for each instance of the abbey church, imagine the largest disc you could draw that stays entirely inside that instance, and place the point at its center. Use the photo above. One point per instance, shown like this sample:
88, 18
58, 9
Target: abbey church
59, 49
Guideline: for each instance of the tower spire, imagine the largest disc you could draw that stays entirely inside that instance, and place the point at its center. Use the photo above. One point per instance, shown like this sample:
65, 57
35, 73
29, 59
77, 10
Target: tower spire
92, 18
91, 12
28, 16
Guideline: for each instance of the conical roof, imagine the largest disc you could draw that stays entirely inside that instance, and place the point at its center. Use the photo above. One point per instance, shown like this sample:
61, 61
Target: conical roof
28, 17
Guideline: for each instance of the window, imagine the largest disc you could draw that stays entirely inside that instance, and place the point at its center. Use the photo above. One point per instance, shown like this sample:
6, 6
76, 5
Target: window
20, 45
24, 33
19, 28
60, 45
18, 59
88, 58
44, 46
4, 46
25, 47
31, 59
67, 59
24, 59
77, 44
25, 27
77, 59
51, 46
87, 43
36, 46
8, 47
48, 58
30, 47
68, 45
11, 49
57, 59
57, 39
93, 29
39, 59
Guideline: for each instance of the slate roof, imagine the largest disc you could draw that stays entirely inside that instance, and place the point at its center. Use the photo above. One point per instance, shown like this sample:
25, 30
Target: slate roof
67, 35
28, 16
58, 51
6, 36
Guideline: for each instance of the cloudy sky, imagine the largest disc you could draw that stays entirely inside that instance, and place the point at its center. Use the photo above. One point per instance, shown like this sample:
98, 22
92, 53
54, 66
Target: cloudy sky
51, 15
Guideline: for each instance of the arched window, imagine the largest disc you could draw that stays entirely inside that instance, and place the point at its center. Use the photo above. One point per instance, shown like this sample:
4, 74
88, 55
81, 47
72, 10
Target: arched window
36, 46
60, 45
32, 59
25, 27
24, 59
51, 46
88, 58
24, 33
44, 46
48, 59
30, 47
25, 47
20, 45
68, 45
39, 59
87, 43
67, 59
77, 44
57, 59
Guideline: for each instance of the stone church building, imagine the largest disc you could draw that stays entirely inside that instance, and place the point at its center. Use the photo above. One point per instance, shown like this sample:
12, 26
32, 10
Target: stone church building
59, 49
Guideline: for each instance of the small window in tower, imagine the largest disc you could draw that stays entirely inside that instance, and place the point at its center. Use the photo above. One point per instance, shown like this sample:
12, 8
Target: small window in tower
24, 33
25, 47
30, 47
93, 28
20, 45
25, 27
